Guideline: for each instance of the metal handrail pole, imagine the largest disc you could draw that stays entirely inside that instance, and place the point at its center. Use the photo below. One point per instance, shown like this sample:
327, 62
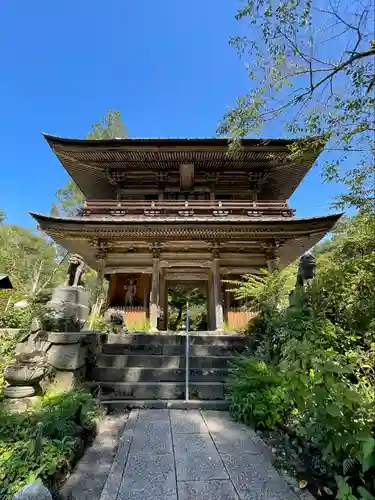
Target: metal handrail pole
187, 352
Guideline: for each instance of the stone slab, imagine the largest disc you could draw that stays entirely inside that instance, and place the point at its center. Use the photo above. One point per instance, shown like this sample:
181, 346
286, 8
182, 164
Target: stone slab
172, 350
148, 476
119, 361
153, 415
66, 356
207, 490
179, 338
175, 404
152, 437
232, 440
160, 390
147, 467
197, 458
113, 482
65, 337
220, 422
142, 374
187, 422
255, 478
88, 478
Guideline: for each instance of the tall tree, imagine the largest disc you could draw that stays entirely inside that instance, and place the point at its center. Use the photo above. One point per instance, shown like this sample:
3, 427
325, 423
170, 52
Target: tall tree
311, 69
29, 259
70, 198
111, 127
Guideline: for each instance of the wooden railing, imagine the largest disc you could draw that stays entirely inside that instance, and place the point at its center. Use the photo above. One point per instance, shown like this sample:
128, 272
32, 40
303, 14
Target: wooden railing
192, 208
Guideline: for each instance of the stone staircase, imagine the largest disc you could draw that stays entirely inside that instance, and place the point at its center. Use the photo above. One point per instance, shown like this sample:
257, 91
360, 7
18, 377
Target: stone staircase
142, 370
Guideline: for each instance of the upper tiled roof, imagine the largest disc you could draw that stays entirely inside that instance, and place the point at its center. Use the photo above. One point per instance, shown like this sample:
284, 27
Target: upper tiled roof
88, 161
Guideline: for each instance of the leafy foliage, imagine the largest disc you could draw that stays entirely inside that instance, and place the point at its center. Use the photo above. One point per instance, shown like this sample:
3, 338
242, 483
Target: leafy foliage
111, 127
177, 300
322, 349
311, 68
60, 419
256, 394
34, 267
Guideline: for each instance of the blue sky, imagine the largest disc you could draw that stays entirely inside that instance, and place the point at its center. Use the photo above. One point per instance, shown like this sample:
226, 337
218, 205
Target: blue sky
166, 65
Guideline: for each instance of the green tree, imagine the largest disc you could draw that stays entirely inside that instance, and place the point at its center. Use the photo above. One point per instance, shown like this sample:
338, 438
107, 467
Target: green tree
177, 299
70, 198
111, 127
311, 69
34, 267
29, 259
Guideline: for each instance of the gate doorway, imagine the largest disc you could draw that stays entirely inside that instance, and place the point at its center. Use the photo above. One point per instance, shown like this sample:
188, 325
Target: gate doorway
178, 295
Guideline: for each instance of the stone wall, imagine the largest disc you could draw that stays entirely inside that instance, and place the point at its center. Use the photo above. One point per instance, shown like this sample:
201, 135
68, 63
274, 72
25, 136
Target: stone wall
47, 361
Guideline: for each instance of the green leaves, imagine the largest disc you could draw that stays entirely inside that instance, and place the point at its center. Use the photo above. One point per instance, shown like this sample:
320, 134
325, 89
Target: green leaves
57, 415
255, 392
312, 71
111, 127
365, 494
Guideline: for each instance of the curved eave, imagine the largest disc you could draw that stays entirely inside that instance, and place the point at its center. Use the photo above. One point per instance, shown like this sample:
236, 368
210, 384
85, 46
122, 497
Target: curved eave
297, 235
87, 161
54, 140
120, 222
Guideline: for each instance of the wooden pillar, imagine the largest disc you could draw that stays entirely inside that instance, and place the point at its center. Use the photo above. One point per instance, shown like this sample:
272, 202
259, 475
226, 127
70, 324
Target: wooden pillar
111, 287
146, 295
163, 301
219, 319
99, 279
226, 301
154, 302
210, 303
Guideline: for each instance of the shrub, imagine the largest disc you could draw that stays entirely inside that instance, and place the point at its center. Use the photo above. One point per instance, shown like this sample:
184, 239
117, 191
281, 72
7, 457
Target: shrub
256, 393
334, 411
37, 443
323, 348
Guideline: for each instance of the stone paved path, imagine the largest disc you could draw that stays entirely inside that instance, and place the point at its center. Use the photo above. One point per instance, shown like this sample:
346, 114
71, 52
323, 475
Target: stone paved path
191, 455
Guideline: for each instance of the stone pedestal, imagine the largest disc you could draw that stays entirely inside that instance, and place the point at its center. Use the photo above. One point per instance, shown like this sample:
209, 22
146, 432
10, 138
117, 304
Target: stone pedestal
67, 356
70, 308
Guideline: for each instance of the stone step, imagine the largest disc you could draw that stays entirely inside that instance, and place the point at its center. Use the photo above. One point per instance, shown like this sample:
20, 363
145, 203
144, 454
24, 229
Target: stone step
172, 350
174, 404
157, 390
179, 339
140, 374
172, 362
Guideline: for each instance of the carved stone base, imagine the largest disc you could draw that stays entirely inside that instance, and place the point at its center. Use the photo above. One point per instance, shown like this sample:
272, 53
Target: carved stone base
16, 392
20, 405
23, 375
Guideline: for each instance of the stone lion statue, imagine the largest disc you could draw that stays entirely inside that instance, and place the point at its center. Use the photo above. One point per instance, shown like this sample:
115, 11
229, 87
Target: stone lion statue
76, 271
306, 269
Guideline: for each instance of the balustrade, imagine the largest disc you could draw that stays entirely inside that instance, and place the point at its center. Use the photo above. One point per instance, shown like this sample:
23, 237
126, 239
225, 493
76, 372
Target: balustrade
189, 208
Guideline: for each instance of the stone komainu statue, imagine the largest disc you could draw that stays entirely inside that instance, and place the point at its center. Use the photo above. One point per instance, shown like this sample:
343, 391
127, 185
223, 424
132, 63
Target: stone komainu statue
76, 271
306, 269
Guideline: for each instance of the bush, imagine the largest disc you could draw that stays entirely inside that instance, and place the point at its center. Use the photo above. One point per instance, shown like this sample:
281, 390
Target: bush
39, 443
323, 348
256, 393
